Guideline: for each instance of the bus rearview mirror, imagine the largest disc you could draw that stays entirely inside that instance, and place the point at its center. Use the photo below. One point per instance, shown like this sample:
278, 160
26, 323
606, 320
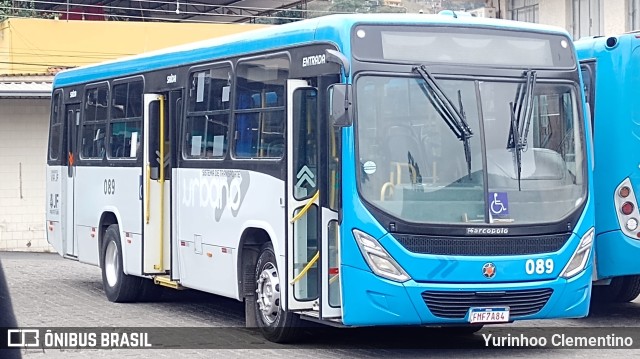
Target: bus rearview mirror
340, 105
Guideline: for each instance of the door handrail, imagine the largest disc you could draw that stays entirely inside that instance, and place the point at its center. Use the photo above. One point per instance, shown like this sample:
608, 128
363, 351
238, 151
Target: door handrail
306, 268
306, 207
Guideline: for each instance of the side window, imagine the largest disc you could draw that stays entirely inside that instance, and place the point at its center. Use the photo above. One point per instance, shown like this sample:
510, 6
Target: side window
588, 78
55, 132
260, 108
94, 124
207, 122
125, 129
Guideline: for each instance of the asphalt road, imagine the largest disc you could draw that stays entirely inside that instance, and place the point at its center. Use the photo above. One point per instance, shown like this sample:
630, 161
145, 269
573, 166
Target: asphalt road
51, 292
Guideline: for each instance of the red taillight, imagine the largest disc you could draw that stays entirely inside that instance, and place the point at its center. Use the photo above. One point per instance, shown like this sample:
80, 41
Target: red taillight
627, 208
624, 192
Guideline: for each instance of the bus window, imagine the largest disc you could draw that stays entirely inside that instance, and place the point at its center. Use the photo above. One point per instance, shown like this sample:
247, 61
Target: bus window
260, 116
57, 115
126, 120
95, 123
207, 124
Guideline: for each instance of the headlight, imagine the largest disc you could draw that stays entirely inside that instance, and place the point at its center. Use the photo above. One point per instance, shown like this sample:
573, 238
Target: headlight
579, 259
378, 259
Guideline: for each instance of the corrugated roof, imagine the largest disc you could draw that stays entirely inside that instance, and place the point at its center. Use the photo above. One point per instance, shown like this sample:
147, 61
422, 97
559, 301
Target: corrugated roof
25, 89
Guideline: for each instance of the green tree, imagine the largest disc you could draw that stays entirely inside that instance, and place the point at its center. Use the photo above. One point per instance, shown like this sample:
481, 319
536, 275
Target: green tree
20, 8
282, 17
363, 6
349, 6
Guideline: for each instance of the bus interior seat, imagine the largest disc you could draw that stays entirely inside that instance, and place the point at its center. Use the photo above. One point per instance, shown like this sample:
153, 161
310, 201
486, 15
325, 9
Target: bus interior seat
275, 149
405, 149
246, 142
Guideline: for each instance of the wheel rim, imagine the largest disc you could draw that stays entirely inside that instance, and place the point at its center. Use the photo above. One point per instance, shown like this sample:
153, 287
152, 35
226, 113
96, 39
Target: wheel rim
269, 293
111, 265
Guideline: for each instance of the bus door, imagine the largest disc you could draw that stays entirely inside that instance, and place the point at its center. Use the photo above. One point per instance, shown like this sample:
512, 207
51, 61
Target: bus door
312, 241
68, 179
156, 187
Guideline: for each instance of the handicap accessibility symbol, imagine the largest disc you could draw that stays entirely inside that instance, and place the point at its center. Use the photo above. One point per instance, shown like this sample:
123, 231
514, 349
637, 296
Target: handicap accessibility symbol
498, 203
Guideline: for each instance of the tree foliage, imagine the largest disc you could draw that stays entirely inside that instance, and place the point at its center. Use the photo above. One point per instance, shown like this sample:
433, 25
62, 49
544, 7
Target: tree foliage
281, 17
20, 8
363, 6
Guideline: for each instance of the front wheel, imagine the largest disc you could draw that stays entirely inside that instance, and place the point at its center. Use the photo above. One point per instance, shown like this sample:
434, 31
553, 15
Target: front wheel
276, 324
603, 295
119, 287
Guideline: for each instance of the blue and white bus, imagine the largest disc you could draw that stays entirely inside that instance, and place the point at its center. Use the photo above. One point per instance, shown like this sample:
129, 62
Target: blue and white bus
362, 170
611, 75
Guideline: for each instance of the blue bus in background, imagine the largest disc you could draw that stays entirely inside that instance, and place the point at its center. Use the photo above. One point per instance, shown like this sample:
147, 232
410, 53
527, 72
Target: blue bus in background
363, 170
611, 75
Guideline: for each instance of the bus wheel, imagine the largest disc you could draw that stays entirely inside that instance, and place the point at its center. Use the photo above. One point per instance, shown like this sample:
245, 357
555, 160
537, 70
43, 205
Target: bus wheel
630, 289
607, 294
118, 287
275, 324
149, 291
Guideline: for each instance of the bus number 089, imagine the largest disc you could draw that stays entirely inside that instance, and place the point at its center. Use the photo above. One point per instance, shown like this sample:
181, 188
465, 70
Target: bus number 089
539, 266
109, 186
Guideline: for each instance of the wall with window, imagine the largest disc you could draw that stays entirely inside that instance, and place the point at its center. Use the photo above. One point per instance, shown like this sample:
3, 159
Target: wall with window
579, 17
633, 21
554, 12
524, 10
23, 147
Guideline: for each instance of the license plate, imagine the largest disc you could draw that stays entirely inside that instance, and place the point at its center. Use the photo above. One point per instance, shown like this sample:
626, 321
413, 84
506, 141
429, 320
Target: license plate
489, 315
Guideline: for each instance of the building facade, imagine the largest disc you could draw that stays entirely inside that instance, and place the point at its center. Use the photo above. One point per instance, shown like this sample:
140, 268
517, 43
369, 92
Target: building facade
24, 109
580, 18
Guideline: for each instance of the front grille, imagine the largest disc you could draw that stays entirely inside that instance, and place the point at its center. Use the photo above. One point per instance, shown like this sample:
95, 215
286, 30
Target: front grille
456, 304
483, 246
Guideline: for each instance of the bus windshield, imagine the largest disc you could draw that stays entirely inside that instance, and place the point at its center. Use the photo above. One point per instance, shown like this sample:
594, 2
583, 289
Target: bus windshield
414, 164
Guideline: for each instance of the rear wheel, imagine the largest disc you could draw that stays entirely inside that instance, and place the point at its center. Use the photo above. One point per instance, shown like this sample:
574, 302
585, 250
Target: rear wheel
118, 287
276, 324
149, 291
629, 290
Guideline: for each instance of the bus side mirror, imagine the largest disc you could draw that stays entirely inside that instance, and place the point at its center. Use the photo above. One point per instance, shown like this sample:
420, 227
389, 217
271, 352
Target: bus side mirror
340, 105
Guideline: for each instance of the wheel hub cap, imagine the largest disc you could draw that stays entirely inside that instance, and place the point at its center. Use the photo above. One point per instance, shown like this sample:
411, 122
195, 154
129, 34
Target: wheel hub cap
269, 293
111, 265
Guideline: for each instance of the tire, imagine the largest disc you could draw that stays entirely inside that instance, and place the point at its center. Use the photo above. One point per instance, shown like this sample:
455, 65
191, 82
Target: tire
119, 287
630, 289
276, 325
149, 291
606, 294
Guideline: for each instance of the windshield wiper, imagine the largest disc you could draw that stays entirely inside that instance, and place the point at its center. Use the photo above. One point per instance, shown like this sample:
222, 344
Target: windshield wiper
454, 117
521, 114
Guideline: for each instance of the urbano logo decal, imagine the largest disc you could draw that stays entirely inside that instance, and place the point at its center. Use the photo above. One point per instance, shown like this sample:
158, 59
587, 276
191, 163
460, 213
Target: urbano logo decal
486, 231
216, 189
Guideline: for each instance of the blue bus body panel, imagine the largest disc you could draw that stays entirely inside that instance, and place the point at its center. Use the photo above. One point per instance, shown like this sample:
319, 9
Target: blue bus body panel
371, 300
616, 140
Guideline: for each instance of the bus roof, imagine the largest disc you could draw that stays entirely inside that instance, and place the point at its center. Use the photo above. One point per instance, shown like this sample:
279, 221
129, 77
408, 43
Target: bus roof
595, 46
331, 28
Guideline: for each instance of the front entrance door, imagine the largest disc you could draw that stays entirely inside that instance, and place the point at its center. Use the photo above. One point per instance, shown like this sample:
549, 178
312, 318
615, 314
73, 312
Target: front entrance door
312, 245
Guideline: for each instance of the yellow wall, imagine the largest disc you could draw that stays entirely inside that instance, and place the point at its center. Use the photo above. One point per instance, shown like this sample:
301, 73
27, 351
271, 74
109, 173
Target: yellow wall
36, 45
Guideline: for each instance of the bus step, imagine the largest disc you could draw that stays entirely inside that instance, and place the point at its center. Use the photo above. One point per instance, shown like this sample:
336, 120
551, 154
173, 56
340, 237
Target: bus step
313, 316
165, 280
